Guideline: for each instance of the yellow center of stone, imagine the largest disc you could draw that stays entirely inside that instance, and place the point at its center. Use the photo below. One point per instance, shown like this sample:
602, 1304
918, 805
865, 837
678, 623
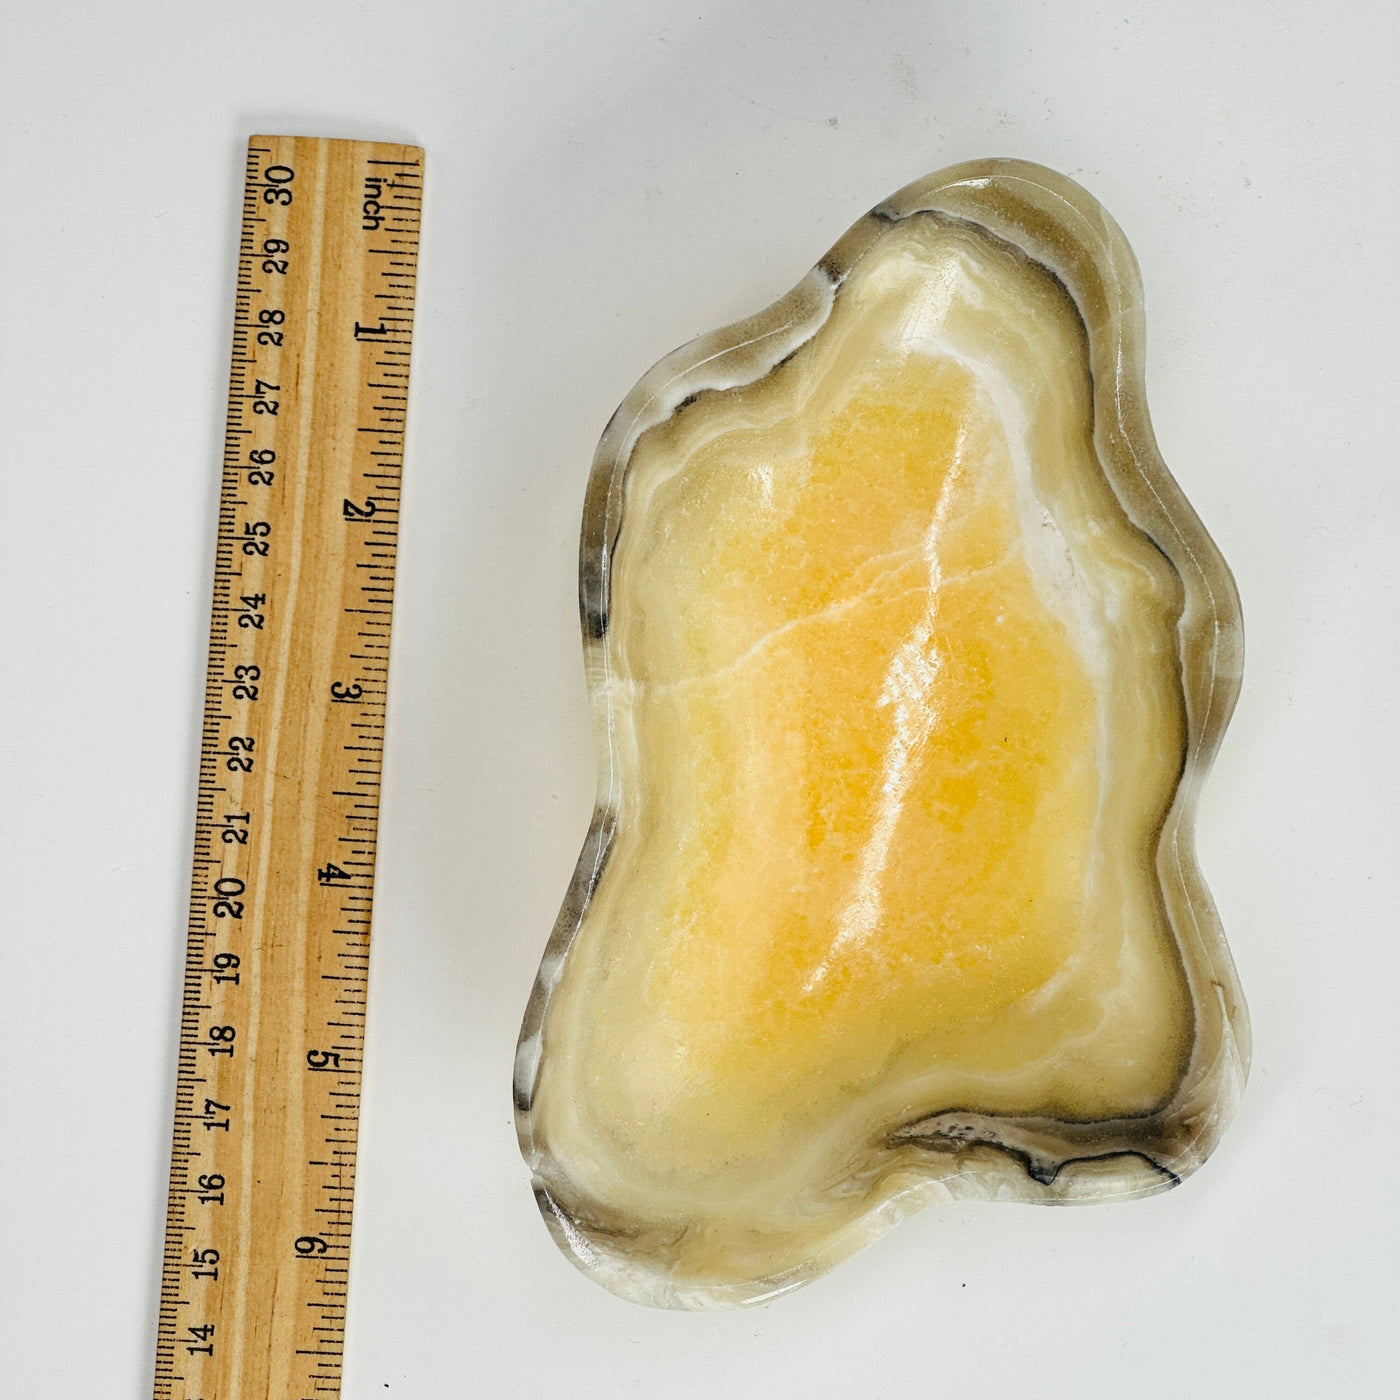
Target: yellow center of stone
869, 782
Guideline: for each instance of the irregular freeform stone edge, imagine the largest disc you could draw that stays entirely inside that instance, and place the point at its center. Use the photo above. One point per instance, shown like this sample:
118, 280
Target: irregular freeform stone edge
1060, 226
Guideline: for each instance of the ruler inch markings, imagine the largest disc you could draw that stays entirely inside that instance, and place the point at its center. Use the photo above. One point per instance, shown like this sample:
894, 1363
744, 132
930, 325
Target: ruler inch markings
258, 1216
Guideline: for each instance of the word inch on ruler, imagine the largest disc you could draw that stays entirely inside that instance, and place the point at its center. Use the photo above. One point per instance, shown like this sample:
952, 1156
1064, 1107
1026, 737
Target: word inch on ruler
262, 1174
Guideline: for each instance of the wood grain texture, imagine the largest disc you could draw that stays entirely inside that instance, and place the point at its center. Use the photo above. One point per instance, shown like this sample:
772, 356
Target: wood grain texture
256, 1264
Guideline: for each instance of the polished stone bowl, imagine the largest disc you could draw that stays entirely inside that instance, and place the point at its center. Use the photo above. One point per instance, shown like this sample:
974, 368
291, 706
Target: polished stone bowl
908, 659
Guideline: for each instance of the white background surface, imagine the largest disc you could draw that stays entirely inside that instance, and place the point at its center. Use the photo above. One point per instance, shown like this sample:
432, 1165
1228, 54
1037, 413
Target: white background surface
606, 180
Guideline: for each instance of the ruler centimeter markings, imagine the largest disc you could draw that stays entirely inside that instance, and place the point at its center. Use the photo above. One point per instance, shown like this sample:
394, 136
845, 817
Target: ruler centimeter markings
262, 1171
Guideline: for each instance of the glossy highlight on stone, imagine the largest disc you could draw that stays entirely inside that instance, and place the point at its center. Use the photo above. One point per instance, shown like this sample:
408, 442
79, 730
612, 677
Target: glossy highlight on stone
908, 659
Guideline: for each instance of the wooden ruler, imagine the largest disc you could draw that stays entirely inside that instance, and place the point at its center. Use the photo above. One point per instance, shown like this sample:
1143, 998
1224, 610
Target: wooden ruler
262, 1172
